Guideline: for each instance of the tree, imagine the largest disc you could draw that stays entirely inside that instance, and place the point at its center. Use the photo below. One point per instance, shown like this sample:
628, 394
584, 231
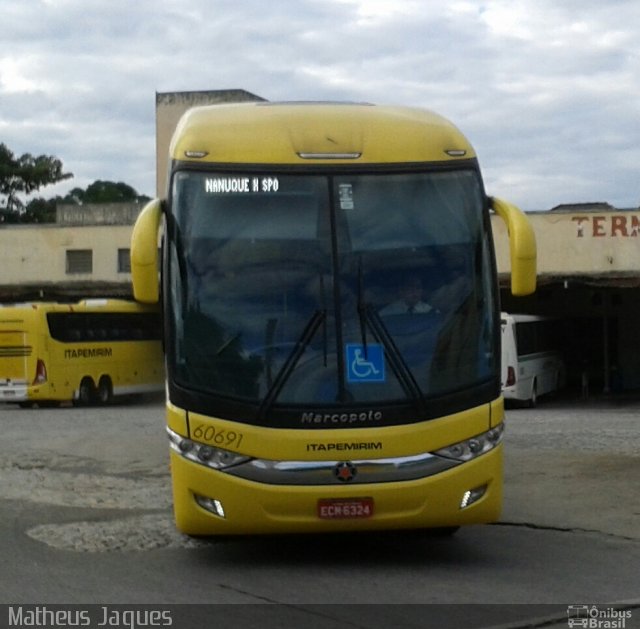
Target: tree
105, 192
41, 210
22, 176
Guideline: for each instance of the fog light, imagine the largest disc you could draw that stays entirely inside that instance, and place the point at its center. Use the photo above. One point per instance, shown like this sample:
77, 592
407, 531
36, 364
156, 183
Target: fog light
472, 495
210, 504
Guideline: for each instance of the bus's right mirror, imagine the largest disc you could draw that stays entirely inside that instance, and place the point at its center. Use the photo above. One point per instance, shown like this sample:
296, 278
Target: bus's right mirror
522, 247
144, 254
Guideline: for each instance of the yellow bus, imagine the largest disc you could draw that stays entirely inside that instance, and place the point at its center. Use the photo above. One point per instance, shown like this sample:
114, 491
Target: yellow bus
301, 396
85, 352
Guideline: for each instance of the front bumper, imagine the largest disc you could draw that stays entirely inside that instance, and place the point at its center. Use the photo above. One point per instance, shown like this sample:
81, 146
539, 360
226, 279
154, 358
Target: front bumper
258, 508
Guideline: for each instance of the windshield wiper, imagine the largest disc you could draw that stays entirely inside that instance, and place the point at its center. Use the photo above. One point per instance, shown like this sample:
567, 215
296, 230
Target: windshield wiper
368, 315
325, 334
362, 309
397, 362
287, 368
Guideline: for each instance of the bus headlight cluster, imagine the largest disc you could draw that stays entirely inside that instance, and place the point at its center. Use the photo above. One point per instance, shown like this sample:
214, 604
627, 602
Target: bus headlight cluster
215, 458
474, 447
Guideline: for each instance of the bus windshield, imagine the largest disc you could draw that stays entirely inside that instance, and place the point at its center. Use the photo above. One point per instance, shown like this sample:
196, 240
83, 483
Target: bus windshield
308, 290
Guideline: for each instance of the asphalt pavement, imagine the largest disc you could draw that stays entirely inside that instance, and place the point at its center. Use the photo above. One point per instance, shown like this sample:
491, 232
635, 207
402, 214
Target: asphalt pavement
86, 518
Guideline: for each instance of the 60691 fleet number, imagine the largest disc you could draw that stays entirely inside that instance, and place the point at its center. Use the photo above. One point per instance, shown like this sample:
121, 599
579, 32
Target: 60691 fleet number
217, 436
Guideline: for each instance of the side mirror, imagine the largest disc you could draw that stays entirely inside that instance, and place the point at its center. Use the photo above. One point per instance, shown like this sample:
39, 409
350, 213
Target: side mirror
522, 247
144, 254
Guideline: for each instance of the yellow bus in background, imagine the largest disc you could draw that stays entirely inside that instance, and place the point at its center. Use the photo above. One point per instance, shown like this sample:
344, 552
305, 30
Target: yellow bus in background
332, 320
85, 352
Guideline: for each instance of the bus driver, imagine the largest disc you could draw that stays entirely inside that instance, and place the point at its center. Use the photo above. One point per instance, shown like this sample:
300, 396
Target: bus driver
410, 299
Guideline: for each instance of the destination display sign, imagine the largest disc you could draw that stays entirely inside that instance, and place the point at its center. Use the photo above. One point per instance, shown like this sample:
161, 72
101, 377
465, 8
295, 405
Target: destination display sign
241, 185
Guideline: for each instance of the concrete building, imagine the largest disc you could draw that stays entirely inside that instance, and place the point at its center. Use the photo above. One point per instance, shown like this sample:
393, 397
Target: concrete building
588, 277
85, 253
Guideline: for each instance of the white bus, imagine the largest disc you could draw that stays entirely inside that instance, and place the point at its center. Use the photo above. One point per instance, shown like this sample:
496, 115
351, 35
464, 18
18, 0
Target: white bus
531, 363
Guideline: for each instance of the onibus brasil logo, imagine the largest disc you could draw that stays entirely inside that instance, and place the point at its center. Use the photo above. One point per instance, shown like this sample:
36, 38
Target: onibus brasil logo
593, 617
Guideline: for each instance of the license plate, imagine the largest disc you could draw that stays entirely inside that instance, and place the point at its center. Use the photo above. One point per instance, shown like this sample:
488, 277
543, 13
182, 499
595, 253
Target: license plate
345, 508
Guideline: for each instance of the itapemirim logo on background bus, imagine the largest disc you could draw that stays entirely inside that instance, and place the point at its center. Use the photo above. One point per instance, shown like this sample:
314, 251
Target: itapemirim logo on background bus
592, 617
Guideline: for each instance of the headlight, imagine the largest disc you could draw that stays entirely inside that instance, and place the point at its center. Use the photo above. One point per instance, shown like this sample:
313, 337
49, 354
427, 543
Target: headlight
474, 447
215, 458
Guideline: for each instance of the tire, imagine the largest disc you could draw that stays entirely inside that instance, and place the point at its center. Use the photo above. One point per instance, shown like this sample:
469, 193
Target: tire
533, 400
105, 390
86, 392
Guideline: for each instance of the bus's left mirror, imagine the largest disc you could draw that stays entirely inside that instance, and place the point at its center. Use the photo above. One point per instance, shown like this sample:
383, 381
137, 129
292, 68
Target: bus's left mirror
144, 254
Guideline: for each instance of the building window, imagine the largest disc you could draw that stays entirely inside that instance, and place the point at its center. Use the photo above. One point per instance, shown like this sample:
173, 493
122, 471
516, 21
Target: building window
124, 261
79, 261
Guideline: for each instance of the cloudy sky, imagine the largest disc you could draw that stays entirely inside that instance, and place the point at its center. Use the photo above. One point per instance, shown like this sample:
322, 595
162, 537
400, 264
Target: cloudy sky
548, 91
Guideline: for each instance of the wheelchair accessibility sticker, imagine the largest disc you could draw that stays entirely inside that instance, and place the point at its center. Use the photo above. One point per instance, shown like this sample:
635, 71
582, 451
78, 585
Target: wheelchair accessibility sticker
365, 365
